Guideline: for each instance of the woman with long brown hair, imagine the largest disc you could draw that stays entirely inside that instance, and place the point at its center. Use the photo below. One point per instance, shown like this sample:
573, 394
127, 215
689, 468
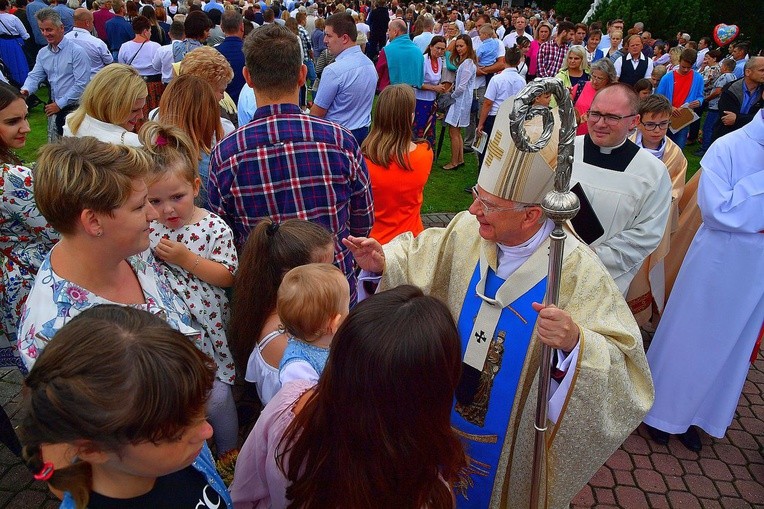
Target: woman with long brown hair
458, 115
375, 431
398, 167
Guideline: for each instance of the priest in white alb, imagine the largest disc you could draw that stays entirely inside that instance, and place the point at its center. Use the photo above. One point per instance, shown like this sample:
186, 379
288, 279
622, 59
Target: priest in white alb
701, 351
489, 265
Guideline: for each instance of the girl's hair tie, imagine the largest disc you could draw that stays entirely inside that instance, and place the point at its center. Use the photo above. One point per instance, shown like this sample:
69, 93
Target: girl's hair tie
161, 141
272, 229
45, 473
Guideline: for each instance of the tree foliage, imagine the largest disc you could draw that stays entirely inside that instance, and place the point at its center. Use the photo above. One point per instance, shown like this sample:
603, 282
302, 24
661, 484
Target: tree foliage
664, 18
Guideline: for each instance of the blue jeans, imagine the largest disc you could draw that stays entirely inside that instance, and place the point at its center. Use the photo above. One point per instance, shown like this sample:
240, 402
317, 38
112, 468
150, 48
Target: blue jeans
712, 117
360, 134
680, 137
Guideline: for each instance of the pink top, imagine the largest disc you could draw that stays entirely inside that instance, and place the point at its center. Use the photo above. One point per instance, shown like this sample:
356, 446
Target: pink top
258, 481
532, 56
583, 104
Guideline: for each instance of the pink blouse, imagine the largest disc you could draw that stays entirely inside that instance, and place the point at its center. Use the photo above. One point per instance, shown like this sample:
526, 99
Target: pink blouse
258, 481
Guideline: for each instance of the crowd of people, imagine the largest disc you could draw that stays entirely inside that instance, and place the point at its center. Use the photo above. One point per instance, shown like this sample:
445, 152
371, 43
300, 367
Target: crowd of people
230, 200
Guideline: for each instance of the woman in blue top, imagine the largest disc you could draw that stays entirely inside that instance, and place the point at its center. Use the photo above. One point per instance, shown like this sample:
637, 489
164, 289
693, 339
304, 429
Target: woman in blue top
114, 415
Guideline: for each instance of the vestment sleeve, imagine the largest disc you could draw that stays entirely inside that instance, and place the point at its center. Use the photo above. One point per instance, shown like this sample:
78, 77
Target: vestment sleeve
727, 204
628, 249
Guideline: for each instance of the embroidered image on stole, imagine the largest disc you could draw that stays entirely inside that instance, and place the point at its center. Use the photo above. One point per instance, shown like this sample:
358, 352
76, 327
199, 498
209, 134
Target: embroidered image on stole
476, 411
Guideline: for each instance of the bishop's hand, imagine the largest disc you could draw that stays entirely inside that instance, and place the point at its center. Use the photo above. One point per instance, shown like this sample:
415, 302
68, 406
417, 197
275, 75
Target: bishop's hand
555, 327
367, 252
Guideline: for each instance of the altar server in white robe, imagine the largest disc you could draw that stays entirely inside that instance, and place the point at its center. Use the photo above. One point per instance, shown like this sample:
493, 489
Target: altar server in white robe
701, 351
489, 265
629, 189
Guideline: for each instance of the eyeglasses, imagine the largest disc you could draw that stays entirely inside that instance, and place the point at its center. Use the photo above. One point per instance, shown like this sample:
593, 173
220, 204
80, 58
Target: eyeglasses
488, 209
598, 78
652, 126
595, 117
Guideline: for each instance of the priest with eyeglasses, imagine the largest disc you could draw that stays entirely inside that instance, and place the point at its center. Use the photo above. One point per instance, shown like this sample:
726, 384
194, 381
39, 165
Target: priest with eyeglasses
627, 189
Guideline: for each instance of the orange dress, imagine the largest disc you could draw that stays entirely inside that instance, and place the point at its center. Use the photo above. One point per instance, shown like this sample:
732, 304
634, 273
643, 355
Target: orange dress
398, 194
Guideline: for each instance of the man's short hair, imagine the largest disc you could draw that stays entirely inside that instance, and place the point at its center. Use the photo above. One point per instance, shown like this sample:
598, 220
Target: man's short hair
751, 62
117, 5
582, 26
655, 104
565, 26
273, 58
215, 16
140, 24
48, 14
177, 30
398, 25
231, 21
743, 45
688, 55
269, 15
728, 64
707, 40
428, 22
196, 24
595, 32
342, 24
82, 14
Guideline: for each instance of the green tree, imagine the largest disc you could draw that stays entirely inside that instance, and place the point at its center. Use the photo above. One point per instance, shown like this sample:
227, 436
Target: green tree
664, 18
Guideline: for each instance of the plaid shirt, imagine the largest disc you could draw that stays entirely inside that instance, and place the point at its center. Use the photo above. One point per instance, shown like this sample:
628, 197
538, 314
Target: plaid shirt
550, 59
284, 165
307, 47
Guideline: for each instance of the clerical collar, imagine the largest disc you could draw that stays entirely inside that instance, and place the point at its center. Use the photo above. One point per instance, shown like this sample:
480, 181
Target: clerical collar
658, 152
615, 158
510, 258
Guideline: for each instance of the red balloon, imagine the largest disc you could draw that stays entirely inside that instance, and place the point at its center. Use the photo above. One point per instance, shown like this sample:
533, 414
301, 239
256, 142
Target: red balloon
725, 34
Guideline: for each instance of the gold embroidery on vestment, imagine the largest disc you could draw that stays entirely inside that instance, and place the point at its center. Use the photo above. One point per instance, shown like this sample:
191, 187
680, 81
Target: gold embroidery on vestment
476, 411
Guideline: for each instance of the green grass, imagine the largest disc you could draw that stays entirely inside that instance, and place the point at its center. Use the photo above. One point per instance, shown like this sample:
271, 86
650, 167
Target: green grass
444, 191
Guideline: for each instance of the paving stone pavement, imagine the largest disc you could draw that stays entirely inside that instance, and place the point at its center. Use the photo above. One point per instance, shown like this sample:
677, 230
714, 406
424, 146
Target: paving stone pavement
726, 474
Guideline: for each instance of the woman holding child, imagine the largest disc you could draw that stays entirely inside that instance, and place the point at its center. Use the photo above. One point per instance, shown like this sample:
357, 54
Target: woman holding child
362, 436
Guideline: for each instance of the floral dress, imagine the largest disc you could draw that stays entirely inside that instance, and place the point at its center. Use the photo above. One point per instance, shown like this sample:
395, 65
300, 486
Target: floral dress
54, 301
25, 239
210, 238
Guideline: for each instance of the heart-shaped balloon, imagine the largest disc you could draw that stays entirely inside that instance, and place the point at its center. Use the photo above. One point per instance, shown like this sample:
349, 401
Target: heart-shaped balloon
725, 34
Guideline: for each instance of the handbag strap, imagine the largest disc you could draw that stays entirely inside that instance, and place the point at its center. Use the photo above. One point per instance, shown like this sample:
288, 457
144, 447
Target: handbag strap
136, 53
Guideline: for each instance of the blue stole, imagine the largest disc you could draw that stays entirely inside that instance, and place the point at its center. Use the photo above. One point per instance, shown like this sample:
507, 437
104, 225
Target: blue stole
483, 424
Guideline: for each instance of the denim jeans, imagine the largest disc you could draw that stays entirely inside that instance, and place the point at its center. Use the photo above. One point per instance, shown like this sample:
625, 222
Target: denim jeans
712, 117
680, 137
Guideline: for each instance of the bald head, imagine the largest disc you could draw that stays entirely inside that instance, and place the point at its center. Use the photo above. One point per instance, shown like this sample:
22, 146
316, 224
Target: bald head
395, 28
83, 18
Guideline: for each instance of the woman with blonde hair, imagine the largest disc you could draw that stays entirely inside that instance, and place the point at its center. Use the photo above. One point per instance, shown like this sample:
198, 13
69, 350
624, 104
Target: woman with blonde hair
190, 104
398, 167
111, 106
614, 53
574, 68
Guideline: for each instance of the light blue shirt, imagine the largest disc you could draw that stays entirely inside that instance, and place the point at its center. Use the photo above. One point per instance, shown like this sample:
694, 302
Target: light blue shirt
212, 4
66, 68
740, 67
247, 105
67, 16
96, 50
346, 90
423, 40
32, 9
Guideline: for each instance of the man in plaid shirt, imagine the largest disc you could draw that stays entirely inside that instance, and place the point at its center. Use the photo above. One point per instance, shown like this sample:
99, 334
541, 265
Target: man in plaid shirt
285, 164
553, 52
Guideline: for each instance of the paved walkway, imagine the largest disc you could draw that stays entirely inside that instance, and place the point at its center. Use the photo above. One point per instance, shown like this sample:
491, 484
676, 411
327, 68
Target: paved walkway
727, 473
